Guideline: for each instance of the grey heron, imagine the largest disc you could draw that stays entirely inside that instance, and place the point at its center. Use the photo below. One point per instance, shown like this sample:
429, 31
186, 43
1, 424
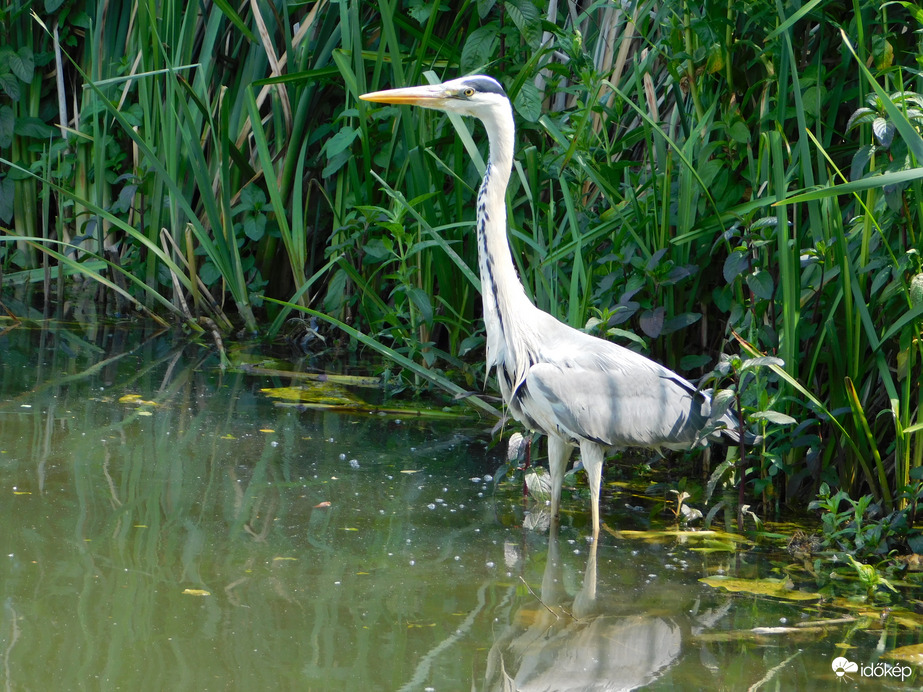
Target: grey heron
581, 391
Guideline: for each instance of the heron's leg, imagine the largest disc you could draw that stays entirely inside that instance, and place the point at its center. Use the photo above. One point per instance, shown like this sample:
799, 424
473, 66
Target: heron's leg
592, 456
558, 454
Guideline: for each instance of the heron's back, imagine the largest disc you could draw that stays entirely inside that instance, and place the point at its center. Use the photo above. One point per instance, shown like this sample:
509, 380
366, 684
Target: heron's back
579, 387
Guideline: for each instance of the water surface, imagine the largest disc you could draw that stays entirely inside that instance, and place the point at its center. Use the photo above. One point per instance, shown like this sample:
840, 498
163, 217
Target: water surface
167, 526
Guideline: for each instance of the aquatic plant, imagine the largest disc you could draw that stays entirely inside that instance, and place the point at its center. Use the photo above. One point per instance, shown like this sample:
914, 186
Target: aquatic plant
861, 527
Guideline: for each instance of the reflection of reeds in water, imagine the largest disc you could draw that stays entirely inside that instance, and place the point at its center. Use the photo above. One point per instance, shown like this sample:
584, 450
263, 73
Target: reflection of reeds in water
171, 529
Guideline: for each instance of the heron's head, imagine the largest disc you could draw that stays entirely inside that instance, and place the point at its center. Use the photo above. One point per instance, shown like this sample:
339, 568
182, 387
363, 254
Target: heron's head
476, 95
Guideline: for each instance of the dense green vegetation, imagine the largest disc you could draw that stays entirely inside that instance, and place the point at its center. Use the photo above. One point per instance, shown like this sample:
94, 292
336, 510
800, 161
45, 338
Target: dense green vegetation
691, 179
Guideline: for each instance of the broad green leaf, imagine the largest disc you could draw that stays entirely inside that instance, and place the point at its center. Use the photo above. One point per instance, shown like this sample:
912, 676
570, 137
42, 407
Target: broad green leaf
652, 321
739, 132
10, 85
860, 161
761, 362
528, 102
774, 417
527, 19
479, 47
22, 64
761, 284
680, 321
34, 127
420, 299
335, 163
694, 361
336, 291
484, 7
209, 273
914, 9
721, 403
378, 250
420, 10
884, 131
736, 263
340, 142
255, 226
764, 222
126, 196
860, 116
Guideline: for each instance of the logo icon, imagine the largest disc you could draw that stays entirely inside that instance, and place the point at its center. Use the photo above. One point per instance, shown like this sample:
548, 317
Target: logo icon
841, 666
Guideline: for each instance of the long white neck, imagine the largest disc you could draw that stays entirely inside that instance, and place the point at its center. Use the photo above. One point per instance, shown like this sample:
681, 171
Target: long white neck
503, 296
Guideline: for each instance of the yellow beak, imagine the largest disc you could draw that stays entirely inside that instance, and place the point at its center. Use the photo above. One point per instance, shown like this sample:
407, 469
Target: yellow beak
430, 96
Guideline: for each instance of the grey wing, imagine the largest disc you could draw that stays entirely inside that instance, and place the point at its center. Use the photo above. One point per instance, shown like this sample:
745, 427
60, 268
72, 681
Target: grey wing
622, 401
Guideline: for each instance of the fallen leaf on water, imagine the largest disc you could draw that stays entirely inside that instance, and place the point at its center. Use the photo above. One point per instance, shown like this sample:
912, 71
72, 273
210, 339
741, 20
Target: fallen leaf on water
283, 558
320, 394
716, 547
826, 622
328, 395
910, 620
909, 654
776, 588
267, 430
410, 470
320, 505
228, 436
260, 366
196, 592
135, 400
704, 540
21, 492
762, 634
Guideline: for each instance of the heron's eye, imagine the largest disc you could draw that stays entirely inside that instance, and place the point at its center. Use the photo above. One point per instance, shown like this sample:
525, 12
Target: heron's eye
469, 92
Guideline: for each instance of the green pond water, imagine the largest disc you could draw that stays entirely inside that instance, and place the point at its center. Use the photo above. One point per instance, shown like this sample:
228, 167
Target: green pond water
166, 526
